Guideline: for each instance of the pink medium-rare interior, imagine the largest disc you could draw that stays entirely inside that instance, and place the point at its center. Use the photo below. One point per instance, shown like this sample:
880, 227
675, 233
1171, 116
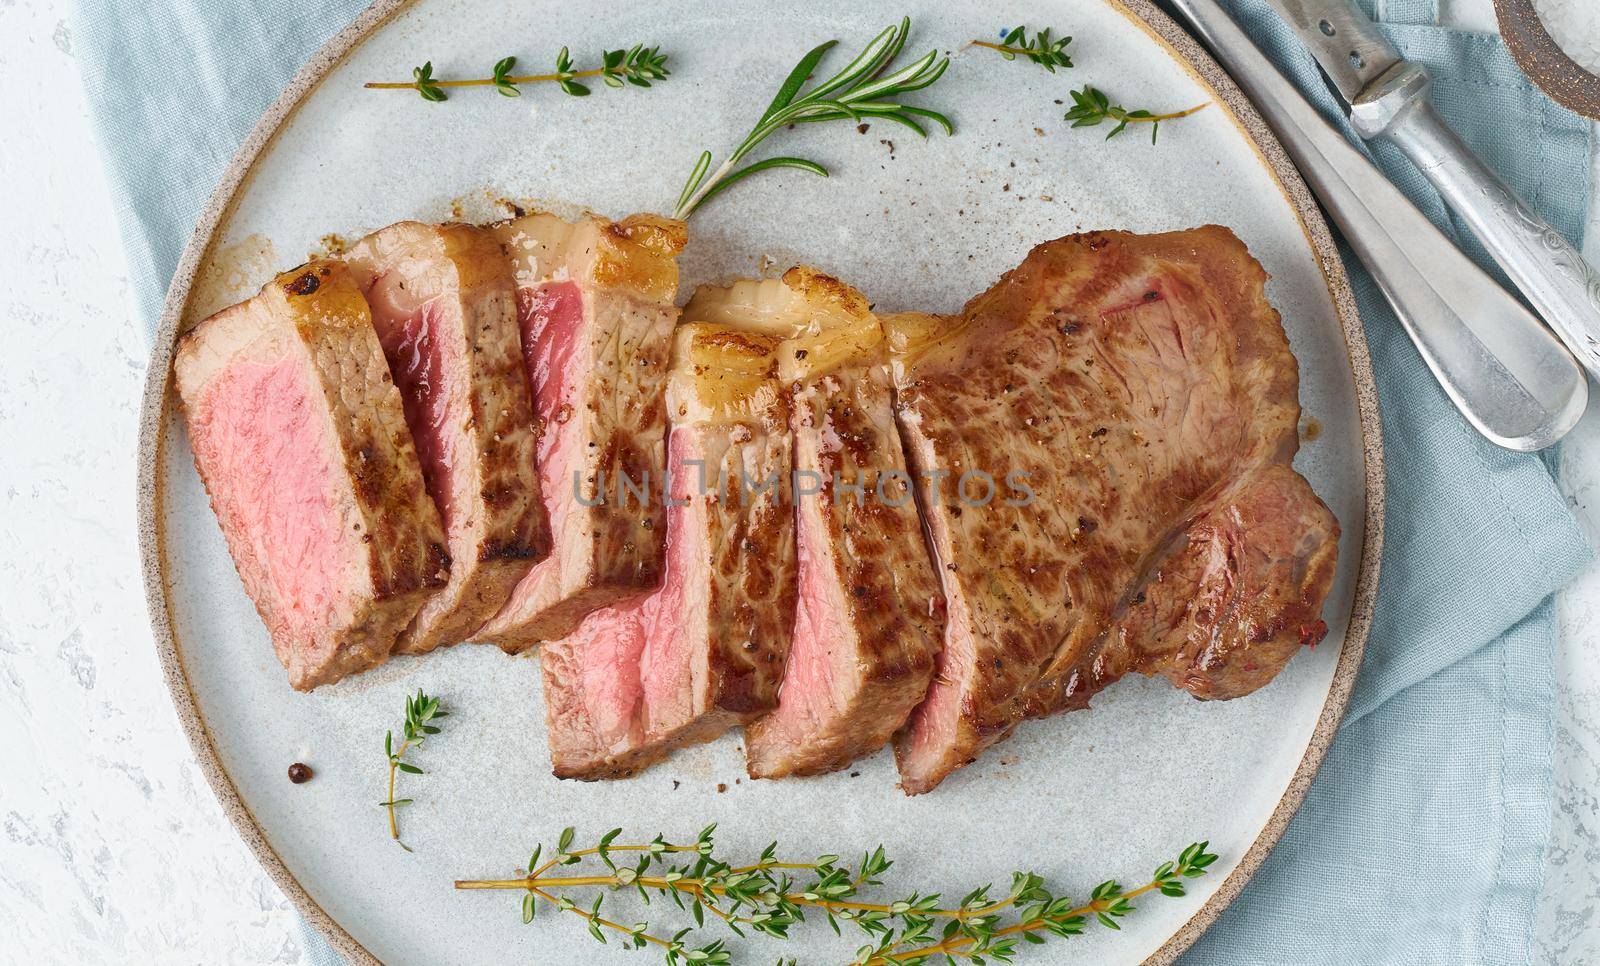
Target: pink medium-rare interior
811, 682
551, 316
931, 731
638, 661
271, 476
611, 641
416, 344
673, 665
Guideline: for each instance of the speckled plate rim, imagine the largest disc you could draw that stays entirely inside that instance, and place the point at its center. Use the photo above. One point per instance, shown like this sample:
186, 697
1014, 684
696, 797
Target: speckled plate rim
157, 396
1543, 60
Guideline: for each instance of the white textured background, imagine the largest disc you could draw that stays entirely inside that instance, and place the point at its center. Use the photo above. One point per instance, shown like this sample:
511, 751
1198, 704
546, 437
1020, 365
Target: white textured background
111, 846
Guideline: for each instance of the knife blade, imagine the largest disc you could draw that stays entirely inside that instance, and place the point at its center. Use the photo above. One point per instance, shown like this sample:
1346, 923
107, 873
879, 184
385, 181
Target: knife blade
1389, 97
1345, 43
1506, 372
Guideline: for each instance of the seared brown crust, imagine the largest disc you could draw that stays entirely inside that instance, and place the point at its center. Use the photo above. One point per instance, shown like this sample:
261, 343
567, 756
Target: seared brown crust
515, 525
752, 587
892, 606
407, 541
315, 314
639, 254
822, 289
611, 551
615, 544
866, 543
1130, 378
720, 625
487, 491
629, 536
749, 539
893, 593
1240, 592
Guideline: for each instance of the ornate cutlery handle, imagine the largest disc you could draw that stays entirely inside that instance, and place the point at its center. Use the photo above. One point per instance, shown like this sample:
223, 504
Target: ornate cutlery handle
1505, 371
1563, 288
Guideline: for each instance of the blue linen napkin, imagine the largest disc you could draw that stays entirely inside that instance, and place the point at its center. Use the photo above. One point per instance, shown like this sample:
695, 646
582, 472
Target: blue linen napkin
1422, 839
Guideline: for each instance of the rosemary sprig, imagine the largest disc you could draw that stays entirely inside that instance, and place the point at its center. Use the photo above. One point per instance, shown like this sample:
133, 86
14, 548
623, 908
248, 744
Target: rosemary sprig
1043, 50
864, 88
637, 65
420, 710
771, 896
1090, 106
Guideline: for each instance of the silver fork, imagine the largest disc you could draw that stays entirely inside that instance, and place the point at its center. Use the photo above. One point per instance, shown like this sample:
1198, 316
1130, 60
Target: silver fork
1510, 376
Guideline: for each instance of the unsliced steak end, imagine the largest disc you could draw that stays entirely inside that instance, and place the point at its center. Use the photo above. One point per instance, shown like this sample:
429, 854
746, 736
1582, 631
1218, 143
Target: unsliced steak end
1143, 390
444, 306
596, 312
1238, 594
300, 438
868, 620
706, 651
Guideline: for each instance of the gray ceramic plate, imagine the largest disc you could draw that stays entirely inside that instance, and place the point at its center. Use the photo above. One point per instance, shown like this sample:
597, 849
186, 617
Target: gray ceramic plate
1110, 792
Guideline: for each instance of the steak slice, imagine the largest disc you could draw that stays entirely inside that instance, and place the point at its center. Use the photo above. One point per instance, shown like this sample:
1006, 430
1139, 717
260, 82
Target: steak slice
706, 652
868, 624
301, 441
445, 309
595, 304
1138, 395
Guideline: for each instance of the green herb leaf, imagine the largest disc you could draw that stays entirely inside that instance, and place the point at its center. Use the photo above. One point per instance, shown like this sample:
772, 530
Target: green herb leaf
422, 78
638, 66
869, 85
1043, 49
759, 166
502, 83
420, 709
1091, 106
797, 77
764, 898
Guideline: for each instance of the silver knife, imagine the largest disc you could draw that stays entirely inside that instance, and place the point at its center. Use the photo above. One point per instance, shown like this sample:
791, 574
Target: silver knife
1387, 97
1510, 377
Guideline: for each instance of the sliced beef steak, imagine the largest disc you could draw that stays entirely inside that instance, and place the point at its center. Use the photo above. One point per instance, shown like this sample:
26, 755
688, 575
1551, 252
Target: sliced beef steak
868, 624
1140, 394
706, 651
445, 309
595, 305
1239, 591
300, 438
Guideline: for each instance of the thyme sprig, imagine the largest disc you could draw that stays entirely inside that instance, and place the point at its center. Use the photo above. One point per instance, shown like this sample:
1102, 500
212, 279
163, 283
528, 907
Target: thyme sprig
637, 65
770, 896
1090, 107
421, 710
865, 88
1042, 49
